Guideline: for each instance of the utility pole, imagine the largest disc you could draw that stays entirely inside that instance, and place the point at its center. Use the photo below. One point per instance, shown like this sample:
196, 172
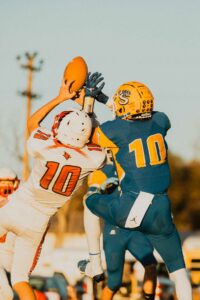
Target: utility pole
29, 66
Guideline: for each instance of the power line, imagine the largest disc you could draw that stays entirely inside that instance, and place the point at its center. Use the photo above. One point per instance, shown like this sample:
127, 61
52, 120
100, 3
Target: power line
28, 93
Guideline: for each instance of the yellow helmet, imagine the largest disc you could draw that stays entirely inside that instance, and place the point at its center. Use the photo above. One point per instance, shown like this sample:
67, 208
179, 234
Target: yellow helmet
133, 100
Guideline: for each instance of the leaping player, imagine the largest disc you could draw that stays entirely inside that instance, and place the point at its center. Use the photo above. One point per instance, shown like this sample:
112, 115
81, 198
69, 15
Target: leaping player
9, 183
137, 140
62, 160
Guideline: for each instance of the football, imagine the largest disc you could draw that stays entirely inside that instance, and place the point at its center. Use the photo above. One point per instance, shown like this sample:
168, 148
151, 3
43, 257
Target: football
76, 70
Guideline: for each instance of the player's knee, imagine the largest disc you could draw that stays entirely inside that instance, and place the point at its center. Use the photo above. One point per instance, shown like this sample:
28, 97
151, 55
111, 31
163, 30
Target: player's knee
148, 259
163, 225
167, 226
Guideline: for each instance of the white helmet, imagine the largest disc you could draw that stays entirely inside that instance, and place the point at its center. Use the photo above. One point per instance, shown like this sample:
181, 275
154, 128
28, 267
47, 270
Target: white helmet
72, 127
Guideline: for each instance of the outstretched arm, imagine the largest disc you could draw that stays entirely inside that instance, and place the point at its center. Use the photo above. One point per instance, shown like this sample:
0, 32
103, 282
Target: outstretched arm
64, 94
93, 91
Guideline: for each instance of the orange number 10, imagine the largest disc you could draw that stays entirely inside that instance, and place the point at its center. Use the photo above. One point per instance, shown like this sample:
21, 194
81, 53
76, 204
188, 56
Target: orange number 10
156, 148
66, 179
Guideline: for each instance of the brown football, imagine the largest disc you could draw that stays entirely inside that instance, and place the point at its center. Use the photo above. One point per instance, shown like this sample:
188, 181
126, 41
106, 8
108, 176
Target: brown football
76, 70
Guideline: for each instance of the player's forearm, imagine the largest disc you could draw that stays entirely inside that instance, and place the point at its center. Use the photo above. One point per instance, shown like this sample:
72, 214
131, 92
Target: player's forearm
35, 120
86, 102
93, 91
40, 114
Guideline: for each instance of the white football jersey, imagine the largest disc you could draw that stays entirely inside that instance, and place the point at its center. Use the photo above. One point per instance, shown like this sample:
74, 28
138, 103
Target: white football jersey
58, 171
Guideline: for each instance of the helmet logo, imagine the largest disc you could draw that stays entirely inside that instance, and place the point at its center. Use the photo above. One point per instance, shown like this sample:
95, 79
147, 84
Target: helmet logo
123, 96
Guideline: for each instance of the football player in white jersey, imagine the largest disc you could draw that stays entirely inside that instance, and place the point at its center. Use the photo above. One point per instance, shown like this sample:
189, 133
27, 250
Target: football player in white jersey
63, 159
9, 183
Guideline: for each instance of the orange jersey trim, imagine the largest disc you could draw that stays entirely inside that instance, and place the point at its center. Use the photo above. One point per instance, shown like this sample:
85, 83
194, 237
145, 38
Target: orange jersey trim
57, 144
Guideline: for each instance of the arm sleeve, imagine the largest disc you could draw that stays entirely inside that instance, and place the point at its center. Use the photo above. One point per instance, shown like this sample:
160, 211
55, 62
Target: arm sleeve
167, 123
100, 138
162, 120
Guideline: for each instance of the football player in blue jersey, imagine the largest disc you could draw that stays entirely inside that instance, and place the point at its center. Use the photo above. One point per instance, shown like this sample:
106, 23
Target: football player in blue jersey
116, 241
137, 140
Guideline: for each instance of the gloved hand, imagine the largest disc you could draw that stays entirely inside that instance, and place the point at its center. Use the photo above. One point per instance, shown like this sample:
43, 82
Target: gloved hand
109, 185
95, 272
91, 88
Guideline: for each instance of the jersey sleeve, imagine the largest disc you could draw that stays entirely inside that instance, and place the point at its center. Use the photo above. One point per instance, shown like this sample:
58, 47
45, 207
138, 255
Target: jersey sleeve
101, 139
162, 120
38, 140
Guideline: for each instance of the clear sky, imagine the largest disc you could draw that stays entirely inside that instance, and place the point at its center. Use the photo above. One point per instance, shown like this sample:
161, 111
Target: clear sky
153, 41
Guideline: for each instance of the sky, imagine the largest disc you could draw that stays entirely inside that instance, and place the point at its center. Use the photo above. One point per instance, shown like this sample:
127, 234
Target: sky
155, 42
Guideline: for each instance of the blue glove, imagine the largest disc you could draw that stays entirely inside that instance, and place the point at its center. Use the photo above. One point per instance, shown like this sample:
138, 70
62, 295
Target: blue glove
102, 98
93, 90
109, 185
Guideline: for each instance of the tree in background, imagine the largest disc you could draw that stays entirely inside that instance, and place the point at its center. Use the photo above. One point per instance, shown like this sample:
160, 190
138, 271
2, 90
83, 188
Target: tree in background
185, 193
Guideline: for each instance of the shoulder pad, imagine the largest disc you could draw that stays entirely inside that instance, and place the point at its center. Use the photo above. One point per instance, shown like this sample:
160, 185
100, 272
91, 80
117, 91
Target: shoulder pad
42, 134
161, 119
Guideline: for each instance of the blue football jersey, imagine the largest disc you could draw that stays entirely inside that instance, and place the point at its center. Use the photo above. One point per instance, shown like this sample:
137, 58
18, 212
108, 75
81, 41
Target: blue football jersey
140, 152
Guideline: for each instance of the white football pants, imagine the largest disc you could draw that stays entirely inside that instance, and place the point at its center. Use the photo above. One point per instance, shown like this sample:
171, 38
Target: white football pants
29, 226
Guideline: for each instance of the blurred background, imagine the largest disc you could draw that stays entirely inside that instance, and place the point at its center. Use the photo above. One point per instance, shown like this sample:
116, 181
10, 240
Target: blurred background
154, 42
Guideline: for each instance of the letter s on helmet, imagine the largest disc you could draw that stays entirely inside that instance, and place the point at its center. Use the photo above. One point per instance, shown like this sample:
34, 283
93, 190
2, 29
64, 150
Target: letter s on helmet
133, 100
72, 127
